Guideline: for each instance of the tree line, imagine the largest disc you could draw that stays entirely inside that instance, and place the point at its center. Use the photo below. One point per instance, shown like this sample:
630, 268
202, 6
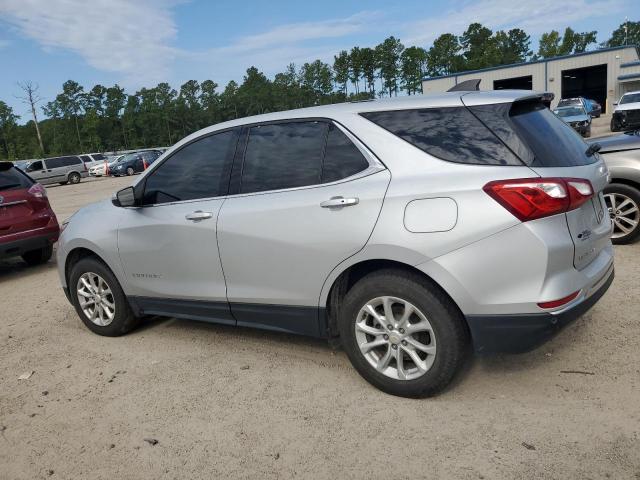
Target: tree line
108, 118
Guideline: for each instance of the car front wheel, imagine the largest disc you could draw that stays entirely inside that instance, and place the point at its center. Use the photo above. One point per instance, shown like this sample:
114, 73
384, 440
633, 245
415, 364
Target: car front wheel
623, 203
403, 334
99, 299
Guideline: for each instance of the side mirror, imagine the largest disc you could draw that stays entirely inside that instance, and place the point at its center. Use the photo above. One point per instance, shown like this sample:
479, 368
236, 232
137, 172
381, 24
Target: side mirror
615, 104
125, 198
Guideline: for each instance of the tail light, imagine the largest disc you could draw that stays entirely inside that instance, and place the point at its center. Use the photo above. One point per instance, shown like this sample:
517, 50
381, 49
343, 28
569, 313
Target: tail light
532, 198
38, 191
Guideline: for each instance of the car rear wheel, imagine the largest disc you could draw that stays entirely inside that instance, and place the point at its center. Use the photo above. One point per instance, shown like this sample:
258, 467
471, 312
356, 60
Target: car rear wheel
623, 203
74, 178
130, 171
37, 257
403, 334
99, 299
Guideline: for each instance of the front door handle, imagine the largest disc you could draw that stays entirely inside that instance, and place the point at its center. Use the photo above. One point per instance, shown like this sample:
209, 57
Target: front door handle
339, 202
198, 215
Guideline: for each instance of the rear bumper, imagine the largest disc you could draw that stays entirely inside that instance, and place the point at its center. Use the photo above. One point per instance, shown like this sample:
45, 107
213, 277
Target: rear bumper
18, 247
522, 333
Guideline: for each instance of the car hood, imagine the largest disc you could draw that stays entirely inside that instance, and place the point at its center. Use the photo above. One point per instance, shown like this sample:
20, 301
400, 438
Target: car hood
575, 118
628, 106
623, 141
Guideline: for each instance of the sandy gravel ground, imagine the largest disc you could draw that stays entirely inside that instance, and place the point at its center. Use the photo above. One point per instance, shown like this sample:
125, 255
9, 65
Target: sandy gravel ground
236, 403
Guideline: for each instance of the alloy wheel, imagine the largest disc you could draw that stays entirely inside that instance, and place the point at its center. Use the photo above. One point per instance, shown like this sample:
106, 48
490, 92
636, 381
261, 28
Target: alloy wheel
96, 299
396, 338
624, 213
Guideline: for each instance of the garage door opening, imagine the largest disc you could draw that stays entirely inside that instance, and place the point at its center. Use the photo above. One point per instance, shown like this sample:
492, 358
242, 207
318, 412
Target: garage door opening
588, 82
515, 83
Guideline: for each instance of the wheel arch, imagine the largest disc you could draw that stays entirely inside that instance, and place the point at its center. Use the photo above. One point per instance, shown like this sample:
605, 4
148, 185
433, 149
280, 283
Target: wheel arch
344, 280
77, 254
625, 181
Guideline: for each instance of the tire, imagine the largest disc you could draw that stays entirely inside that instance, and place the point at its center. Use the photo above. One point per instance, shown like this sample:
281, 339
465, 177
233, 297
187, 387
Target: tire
623, 218
123, 320
614, 126
37, 257
130, 171
449, 334
74, 178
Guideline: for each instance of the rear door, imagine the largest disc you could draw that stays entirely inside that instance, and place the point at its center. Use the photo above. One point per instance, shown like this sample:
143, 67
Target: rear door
553, 149
39, 172
19, 210
300, 210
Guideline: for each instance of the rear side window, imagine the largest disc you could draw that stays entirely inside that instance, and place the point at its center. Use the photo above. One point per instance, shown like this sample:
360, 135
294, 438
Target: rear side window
13, 179
85, 158
62, 162
452, 133
284, 155
342, 158
199, 170
535, 134
98, 156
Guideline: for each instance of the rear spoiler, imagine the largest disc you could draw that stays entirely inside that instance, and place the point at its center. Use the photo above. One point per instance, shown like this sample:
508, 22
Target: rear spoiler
4, 166
472, 85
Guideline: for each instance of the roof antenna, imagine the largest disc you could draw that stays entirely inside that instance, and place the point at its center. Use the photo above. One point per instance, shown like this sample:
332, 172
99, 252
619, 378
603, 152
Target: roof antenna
472, 85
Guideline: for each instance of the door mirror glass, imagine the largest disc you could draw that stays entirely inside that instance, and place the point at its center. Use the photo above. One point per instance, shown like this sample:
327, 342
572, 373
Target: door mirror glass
125, 198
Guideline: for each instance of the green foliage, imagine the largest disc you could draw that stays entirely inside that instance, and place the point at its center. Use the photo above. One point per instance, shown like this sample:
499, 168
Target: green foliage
107, 118
627, 33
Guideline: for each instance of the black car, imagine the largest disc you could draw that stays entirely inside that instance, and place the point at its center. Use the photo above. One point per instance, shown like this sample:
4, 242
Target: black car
135, 163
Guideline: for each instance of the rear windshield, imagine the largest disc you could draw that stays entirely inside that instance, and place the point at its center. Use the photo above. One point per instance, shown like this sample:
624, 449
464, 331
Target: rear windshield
13, 179
570, 112
535, 134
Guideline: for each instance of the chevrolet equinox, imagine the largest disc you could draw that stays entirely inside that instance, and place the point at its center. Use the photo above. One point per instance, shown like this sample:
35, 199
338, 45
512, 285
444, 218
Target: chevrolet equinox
410, 229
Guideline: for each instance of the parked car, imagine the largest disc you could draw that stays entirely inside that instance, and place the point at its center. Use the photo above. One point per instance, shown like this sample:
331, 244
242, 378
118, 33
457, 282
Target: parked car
409, 229
577, 118
626, 115
134, 163
92, 159
28, 226
622, 155
594, 108
62, 170
100, 170
22, 164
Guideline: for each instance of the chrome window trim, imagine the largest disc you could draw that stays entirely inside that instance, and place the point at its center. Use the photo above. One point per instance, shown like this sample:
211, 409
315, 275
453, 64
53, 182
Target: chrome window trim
375, 165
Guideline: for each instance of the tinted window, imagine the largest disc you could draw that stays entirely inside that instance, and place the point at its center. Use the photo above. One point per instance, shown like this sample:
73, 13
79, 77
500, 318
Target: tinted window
33, 166
285, 155
13, 179
199, 170
453, 134
98, 156
61, 162
85, 158
342, 158
538, 136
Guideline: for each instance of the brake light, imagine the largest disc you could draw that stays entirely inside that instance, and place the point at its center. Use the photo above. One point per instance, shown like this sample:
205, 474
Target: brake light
559, 302
533, 198
38, 191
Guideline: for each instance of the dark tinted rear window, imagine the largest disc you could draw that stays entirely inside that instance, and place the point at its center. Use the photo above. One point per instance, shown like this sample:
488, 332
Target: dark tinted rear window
535, 134
285, 155
13, 179
98, 156
453, 134
342, 158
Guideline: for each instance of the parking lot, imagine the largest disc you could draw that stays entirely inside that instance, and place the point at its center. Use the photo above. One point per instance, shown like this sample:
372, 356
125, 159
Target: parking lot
223, 402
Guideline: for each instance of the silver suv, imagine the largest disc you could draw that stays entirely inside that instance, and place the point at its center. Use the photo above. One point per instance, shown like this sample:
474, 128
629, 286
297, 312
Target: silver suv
411, 229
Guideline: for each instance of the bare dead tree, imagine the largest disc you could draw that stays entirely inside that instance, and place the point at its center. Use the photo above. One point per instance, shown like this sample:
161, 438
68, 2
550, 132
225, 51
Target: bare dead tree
32, 98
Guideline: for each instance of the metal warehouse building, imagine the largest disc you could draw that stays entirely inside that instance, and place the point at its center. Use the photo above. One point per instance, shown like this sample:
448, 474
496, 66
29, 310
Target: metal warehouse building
602, 75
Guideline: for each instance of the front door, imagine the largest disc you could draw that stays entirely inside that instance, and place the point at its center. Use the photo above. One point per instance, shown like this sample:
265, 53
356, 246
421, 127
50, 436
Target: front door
301, 210
168, 246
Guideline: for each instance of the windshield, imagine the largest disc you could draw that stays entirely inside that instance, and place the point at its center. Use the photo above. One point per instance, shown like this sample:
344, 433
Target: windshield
570, 112
630, 98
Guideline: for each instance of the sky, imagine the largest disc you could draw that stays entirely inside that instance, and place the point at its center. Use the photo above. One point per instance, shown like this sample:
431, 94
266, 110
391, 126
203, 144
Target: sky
139, 43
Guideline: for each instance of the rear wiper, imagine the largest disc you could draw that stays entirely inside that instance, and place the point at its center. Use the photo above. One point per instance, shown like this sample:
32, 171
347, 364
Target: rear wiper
593, 148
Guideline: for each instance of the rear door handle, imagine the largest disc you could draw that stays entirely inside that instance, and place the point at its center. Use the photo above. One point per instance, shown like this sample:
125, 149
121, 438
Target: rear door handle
339, 202
198, 215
